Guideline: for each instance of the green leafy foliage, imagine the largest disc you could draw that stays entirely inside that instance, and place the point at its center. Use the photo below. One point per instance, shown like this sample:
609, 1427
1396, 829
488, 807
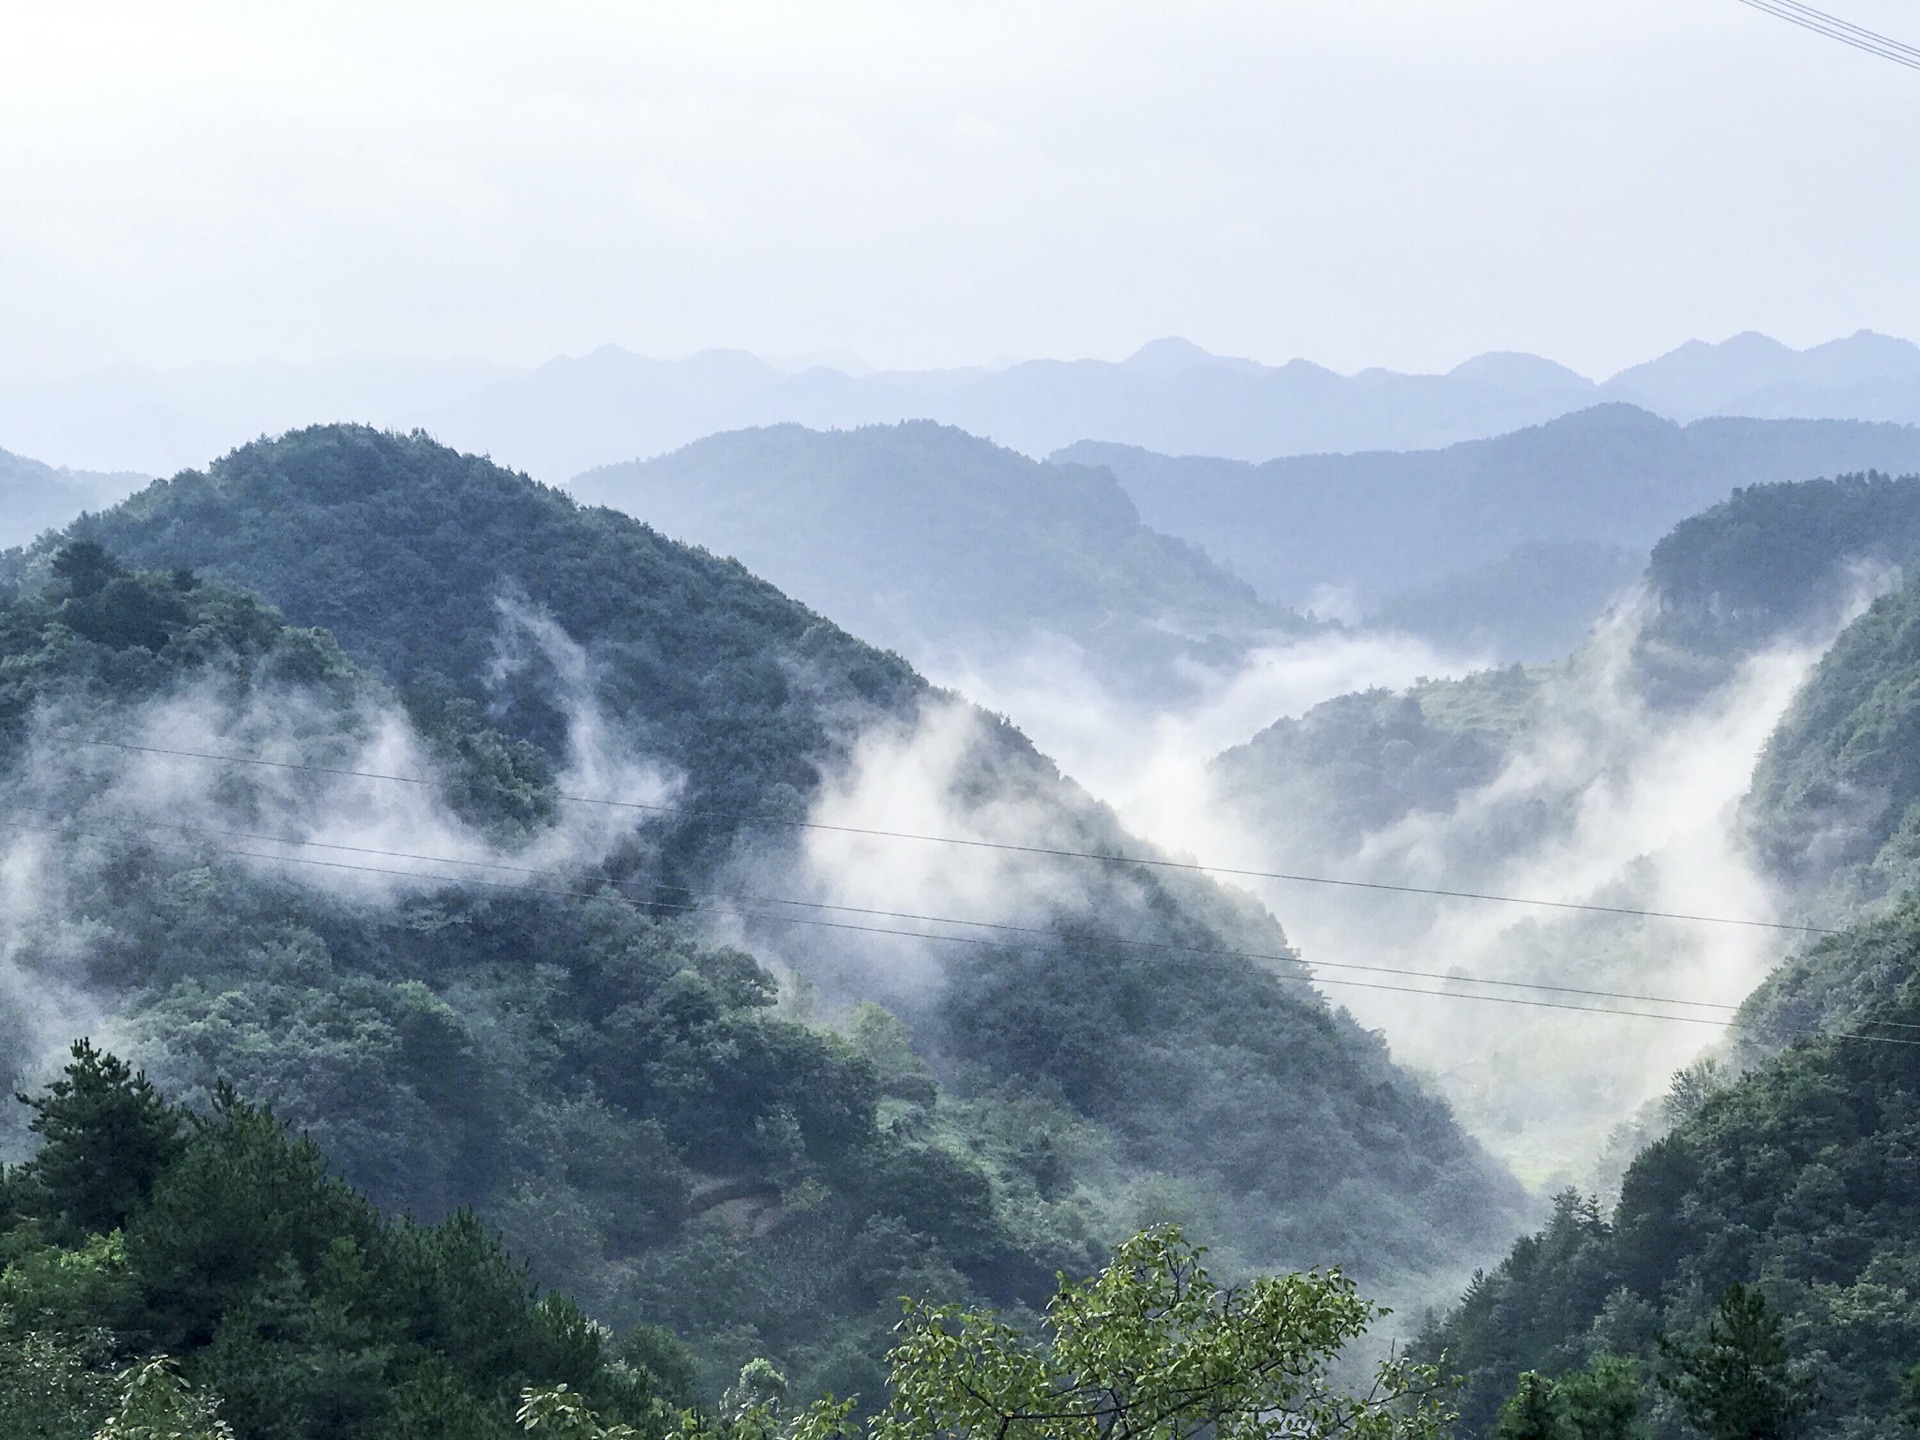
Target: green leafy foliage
157, 1404
1601, 1402
52, 1387
105, 1136
278, 1288
1150, 1347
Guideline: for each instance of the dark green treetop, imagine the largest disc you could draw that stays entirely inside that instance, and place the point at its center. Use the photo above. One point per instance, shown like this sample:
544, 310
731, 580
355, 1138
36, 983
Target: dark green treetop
1738, 1382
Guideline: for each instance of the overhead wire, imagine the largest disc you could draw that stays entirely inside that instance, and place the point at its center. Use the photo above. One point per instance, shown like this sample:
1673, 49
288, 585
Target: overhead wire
734, 901
1725, 1022
1834, 28
1053, 852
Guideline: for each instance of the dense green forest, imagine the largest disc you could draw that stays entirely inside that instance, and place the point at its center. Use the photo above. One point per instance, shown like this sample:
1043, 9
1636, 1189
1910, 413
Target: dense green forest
1775, 558
198, 1274
615, 1097
1786, 1162
398, 1096
219, 1240
1833, 809
654, 1122
1797, 1177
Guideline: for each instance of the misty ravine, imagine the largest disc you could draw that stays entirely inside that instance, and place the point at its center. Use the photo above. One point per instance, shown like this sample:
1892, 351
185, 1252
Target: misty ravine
554, 877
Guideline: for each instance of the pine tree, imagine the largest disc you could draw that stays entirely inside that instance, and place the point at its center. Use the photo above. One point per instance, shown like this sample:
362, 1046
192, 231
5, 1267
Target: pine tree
1739, 1383
1535, 1412
105, 1135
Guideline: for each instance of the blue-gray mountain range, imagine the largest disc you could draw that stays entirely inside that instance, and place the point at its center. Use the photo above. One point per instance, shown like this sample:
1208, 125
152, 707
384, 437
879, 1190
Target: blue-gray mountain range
575, 413
934, 541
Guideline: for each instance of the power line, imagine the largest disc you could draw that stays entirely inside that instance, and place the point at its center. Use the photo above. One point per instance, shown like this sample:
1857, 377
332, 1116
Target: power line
1834, 28
354, 867
714, 900
1052, 852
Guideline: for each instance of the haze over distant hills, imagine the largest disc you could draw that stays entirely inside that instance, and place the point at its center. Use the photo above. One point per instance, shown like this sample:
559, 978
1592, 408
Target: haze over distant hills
1509, 544
1155, 571
950, 549
574, 413
36, 497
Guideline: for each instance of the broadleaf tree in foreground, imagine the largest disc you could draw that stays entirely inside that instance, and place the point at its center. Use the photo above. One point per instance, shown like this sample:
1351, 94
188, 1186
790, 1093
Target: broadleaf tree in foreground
1151, 1348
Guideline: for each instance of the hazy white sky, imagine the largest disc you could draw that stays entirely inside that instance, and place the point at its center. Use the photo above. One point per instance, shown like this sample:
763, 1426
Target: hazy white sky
1397, 182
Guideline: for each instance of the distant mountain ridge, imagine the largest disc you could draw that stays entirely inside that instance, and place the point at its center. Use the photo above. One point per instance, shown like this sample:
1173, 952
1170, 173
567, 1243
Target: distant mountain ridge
577, 412
1446, 541
940, 545
35, 497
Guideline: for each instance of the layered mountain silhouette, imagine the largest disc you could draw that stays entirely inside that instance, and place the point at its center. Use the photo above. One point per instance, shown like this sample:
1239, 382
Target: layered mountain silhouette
950, 549
1510, 545
612, 405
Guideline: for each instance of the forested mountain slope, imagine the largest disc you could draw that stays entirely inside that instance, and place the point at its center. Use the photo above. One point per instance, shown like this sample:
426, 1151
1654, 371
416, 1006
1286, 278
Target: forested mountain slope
1835, 805
1375, 526
1798, 1177
1771, 564
1614, 776
1772, 559
1790, 1163
384, 972
496, 1043
923, 539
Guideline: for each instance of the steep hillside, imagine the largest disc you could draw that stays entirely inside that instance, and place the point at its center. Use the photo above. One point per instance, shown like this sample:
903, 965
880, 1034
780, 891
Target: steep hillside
1788, 1164
1773, 559
925, 540
1095, 1039
1771, 565
441, 986
1375, 526
1797, 1177
1612, 777
1833, 807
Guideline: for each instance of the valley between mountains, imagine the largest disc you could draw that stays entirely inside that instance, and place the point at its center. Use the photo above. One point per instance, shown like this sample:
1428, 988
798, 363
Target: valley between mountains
737, 889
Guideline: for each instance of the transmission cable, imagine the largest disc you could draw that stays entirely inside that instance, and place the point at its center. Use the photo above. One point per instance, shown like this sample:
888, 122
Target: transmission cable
354, 867
1834, 28
686, 812
723, 902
